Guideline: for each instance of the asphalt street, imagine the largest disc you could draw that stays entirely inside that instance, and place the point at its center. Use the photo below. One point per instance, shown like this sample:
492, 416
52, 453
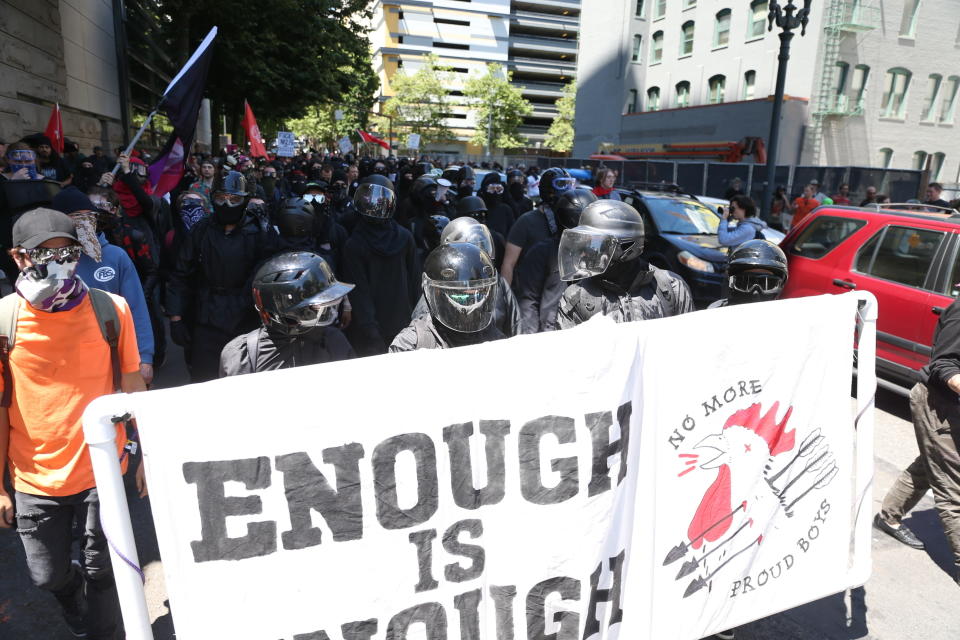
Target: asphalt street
910, 593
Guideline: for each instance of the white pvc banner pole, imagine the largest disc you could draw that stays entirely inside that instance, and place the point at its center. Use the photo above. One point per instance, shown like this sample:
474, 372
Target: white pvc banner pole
866, 395
101, 435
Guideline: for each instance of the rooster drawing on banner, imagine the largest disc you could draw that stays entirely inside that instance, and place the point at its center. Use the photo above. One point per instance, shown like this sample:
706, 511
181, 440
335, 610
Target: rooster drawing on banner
746, 489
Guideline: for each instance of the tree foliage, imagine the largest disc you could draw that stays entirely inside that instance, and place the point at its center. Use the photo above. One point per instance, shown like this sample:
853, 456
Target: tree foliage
420, 103
499, 108
283, 56
560, 134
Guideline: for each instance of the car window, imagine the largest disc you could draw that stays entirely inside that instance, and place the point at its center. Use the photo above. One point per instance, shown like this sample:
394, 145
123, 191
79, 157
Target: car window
900, 254
682, 216
953, 286
823, 235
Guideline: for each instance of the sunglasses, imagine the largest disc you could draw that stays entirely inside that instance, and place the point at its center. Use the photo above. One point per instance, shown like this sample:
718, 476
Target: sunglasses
230, 199
317, 198
22, 156
46, 256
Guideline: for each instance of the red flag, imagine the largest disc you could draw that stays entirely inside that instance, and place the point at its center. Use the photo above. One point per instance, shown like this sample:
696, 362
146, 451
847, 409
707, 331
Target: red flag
366, 137
55, 129
257, 150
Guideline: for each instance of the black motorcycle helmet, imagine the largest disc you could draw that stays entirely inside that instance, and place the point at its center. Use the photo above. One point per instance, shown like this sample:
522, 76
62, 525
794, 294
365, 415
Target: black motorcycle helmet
230, 196
570, 205
610, 231
756, 271
422, 168
433, 230
515, 175
297, 292
465, 174
296, 218
460, 285
553, 182
375, 197
423, 191
450, 173
473, 207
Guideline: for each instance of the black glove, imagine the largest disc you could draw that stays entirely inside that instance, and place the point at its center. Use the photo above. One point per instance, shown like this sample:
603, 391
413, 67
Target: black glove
180, 333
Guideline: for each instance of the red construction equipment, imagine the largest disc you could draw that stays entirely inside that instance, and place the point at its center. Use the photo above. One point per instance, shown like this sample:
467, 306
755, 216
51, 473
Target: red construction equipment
720, 151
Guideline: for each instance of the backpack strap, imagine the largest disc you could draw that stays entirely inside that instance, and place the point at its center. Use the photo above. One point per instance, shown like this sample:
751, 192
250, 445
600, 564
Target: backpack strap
253, 349
109, 322
665, 286
9, 312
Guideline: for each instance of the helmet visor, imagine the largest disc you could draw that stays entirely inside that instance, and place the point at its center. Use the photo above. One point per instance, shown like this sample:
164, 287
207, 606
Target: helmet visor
584, 253
564, 183
465, 306
374, 201
477, 235
756, 283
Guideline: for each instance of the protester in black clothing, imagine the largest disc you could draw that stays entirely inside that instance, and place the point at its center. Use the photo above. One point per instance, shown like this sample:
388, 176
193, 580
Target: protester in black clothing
474, 207
460, 284
500, 215
22, 188
516, 193
308, 226
465, 181
209, 300
380, 259
756, 272
297, 297
537, 282
602, 254
341, 204
935, 196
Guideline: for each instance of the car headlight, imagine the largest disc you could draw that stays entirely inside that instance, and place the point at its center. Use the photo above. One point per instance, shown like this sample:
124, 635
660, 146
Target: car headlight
693, 262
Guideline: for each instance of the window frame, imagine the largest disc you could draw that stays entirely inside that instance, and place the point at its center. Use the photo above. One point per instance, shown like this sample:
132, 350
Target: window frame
653, 98
659, 9
931, 101
861, 89
749, 75
718, 80
911, 18
720, 15
656, 47
948, 109
639, 9
636, 56
881, 236
886, 157
752, 21
684, 40
633, 97
890, 98
685, 84
922, 156
807, 231
936, 165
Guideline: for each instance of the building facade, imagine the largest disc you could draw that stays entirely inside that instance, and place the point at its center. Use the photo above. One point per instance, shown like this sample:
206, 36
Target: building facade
534, 39
59, 51
870, 84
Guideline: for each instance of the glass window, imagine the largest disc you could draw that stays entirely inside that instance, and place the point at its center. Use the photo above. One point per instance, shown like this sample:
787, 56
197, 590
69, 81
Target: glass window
631, 101
823, 235
653, 99
933, 95
896, 85
689, 3
860, 74
656, 49
717, 85
900, 254
911, 14
683, 94
843, 70
637, 44
950, 99
640, 8
758, 19
721, 31
919, 160
672, 215
749, 85
659, 9
936, 166
686, 38
886, 157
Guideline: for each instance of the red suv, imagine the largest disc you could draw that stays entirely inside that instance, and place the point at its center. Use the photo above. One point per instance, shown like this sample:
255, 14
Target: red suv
907, 259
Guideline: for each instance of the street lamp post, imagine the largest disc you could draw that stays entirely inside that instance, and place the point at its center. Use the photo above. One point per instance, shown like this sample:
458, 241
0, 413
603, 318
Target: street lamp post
787, 19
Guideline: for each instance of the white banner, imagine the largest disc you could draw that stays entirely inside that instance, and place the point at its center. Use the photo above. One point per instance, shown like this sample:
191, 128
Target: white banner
413, 141
345, 145
665, 479
286, 144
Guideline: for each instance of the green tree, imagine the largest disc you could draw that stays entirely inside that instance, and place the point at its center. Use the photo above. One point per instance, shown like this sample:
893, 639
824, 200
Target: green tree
499, 106
560, 134
420, 103
283, 57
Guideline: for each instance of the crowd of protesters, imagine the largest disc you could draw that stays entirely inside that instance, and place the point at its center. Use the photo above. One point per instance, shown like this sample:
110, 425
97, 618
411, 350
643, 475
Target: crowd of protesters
258, 264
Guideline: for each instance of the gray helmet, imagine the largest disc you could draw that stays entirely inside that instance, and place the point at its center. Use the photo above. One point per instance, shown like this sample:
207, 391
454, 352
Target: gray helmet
460, 285
609, 231
467, 229
296, 292
376, 198
570, 205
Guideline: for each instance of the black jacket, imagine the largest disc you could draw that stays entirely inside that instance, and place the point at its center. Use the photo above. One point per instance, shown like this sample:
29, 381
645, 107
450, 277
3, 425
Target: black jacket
380, 259
650, 293
424, 333
211, 281
260, 351
506, 311
538, 287
945, 357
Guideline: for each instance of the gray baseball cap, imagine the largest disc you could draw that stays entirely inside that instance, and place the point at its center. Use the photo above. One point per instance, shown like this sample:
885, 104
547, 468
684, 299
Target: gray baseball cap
37, 226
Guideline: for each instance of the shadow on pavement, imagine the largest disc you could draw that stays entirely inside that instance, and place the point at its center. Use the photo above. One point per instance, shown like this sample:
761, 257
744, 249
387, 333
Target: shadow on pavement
926, 524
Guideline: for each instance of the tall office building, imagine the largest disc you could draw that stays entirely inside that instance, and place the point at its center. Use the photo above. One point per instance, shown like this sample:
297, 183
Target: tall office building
864, 87
535, 39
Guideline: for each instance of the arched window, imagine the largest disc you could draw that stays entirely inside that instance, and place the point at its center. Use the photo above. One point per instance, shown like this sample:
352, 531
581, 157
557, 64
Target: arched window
686, 38
896, 85
934, 83
919, 160
653, 99
639, 10
886, 157
717, 86
936, 165
631, 101
721, 29
683, 94
749, 85
656, 48
758, 19
861, 73
949, 100
637, 46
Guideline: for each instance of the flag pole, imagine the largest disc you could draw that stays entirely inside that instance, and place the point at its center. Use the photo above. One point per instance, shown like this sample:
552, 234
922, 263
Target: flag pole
136, 138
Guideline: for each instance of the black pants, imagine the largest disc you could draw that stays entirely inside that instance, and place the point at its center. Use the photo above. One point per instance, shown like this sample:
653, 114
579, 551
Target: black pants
205, 347
46, 526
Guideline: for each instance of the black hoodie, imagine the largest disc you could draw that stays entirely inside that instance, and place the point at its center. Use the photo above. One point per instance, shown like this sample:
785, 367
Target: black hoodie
500, 215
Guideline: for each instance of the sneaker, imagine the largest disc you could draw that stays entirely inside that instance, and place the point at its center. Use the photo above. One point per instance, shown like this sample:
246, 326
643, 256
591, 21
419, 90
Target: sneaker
901, 534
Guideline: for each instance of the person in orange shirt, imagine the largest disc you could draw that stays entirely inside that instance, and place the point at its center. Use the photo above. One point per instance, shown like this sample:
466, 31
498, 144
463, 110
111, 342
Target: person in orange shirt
59, 363
804, 204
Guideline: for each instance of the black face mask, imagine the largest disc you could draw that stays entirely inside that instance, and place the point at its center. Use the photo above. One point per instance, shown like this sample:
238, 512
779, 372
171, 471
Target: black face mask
225, 214
479, 216
516, 190
464, 190
106, 221
268, 184
339, 195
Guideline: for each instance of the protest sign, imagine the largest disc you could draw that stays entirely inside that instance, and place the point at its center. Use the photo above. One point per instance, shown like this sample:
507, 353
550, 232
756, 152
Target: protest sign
286, 144
413, 141
664, 479
345, 145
